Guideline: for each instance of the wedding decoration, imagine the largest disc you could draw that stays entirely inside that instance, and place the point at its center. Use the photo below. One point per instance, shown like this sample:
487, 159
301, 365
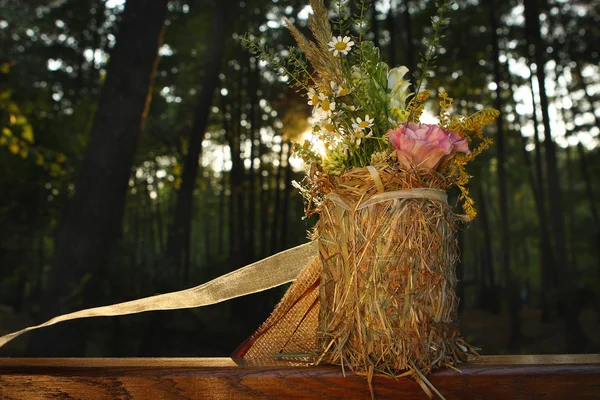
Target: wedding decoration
378, 179
374, 291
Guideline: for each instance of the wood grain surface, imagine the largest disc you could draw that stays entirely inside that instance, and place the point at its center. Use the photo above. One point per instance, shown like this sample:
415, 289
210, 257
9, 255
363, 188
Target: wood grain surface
493, 377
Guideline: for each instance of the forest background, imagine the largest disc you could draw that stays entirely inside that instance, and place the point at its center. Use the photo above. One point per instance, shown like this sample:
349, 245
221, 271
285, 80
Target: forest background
143, 149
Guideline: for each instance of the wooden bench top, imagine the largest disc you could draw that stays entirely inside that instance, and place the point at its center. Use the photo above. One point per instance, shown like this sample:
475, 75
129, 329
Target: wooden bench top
490, 377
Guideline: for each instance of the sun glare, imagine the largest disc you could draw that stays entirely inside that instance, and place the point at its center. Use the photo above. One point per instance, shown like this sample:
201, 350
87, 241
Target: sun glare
317, 143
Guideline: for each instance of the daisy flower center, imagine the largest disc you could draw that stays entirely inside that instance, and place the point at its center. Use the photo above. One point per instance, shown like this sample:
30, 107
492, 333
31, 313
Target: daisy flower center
363, 124
341, 46
325, 105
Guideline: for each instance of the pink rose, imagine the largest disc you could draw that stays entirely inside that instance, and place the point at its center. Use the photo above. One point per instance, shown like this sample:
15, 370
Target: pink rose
424, 145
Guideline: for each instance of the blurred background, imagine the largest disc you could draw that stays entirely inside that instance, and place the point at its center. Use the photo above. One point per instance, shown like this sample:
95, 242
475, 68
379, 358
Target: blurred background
144, 150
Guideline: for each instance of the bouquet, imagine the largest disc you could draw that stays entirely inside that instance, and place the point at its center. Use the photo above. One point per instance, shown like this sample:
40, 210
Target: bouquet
377, 177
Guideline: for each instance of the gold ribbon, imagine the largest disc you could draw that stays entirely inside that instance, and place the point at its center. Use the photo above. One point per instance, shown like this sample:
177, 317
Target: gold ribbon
265, 274
376, 178
418, 193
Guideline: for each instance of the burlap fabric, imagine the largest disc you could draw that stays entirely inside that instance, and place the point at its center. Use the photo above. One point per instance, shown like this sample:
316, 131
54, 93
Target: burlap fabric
292, 327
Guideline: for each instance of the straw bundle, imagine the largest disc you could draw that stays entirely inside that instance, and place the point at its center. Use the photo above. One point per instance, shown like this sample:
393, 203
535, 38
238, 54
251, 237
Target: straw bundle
387, 245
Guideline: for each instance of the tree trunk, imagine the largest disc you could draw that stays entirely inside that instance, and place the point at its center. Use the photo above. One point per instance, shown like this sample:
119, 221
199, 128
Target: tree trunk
152, 231
135, 234
160, 225
585, 172
460, 274
239, 172
511, 286
37, 289
374, 24
236, 204
22, 280
286, 196
221, 217
186, 246
277, 202
391, 27
571, 209
264, 182
536, 181
208, 232
254, 122
93, 223
539, 168
410, 44
179, 233
487, 272
233, 245
575, 338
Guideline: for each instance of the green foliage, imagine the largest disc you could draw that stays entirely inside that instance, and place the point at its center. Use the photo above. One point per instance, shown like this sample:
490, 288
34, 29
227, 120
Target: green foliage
428, 61
292, 65
374, 88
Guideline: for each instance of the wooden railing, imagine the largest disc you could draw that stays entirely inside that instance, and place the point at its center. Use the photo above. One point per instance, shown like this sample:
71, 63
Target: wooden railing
494, 377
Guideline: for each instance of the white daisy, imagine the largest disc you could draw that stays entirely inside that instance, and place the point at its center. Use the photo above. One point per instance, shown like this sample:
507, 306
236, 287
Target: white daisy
313, 98
359, 135
340, 45
321, 116
328, 126
343, 147
361, 125
334, 87
324, 89
327, 106
340, 90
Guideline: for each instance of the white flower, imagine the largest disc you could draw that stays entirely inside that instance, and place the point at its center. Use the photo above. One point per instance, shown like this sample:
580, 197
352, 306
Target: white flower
398, 88
334, 87
396, 82
340, 45
339, 90
313, 98
328, 126
321, 116
324, 108
361, 125
343, 147
327, 106
359, 135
